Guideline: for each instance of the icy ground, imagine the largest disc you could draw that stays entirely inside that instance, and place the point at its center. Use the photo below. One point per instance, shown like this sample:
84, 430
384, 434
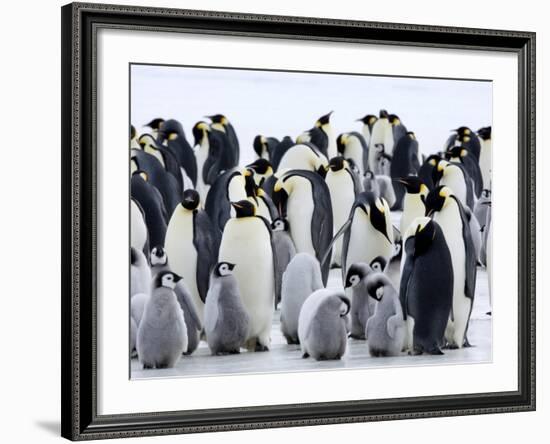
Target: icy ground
288, 358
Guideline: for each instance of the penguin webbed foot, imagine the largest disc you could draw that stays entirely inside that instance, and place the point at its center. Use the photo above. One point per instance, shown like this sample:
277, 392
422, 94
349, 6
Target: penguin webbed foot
466, 343
305, 356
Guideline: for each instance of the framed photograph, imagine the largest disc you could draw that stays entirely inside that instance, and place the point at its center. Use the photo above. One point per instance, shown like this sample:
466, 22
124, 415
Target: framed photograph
274, 221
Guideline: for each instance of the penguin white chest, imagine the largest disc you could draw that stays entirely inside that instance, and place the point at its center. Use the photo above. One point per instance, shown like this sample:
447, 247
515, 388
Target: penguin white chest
455, 181
300, 206
201, 155
354, 150
342, 196
366, 242
413, 207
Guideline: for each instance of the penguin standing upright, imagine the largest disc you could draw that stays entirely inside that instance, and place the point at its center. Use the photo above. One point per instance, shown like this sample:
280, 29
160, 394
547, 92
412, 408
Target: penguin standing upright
455, 176
226, 321
466, 137
413, 202
284, 250
449, 213
322, 325
321, 136
368, 123
343, 186
140, 273
192, 246
246, 242
404, 163
264, 146
353, 146
303, 198
459, 154
362, 307
485, 156
426, 290
162, 333
222, 124
398, 130
259, 198
173, 135
385, 329
228, 187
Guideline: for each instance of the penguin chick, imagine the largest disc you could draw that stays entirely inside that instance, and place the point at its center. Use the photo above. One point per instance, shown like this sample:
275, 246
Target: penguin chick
140, 274
362, 307
226, 321
386, 328
370, 183
386, 189
322, 325
284, 250
162, 333
159, 261
301, 278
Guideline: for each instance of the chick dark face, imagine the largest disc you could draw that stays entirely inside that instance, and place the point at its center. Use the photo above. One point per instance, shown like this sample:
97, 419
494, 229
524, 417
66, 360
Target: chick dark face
223, 269
280, 224
244, 208
356, 273
191, 200
375, 289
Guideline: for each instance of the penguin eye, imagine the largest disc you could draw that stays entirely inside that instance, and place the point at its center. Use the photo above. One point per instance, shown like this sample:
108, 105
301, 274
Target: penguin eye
380, 292
169, 277
397, 248
354, 279
376, 266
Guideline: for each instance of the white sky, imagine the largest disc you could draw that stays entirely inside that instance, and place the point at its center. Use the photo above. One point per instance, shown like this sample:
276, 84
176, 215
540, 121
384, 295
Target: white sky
282, 103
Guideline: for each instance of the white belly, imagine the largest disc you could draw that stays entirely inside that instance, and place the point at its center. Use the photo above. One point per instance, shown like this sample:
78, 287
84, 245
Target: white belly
342, 196
300, 207
456, 183
485, 163
182, 255
137, 227
354, 150
413, 207
247, 244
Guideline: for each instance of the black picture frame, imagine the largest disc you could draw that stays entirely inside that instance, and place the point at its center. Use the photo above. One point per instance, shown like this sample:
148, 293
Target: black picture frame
80, 22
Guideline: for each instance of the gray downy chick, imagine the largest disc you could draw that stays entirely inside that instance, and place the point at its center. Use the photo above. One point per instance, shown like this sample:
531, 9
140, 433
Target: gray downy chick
370, 183
322, 325
162, 333
362, 307
386, 188
386, 328
226, 321
284, 250
301, 278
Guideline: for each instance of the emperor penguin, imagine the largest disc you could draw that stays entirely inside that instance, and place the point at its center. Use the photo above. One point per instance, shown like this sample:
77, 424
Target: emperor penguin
413, 202
398, 129
322, 325
228, 187
459, 154
343, 186
428, 171
455, 176
192, 245
138, 228
303, 198
368, 122
321, 135
173, 135
226, 320
381, 140
261, 170
362, 307
155, 125
247, 243
168, 161
368, 232
465, 136
482, 206
370, 183
284, 249
162, 333
140, 273
426, 290
279, 151
448, 212
404, 163
221, 123
485, 155
353, 146
301, 278
385, 329
264, 146
303, 156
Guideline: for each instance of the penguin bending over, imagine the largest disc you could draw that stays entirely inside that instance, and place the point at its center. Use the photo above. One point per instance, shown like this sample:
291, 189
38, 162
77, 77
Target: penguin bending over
261, 170
222, 124
155, 125
385, 329
226, 321
303, 156
169, 162
449, 213
321, 136
279, 151
246, 242
301, 278
162, 333
322, 325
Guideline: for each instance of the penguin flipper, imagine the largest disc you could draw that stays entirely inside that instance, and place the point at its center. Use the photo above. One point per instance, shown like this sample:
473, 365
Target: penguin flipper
471, 257
393, 324
207, 250
186, 303
406, 276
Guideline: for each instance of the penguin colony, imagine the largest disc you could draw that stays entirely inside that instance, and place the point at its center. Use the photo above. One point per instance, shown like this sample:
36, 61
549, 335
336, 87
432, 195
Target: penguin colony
217, 248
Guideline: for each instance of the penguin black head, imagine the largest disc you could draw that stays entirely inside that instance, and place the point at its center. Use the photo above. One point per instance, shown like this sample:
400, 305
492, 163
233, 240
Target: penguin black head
463, 131
341, 142
368, 175
244, 208
376, 284
218, 118
413, 184
261, 166
223, 269
323, 120
356, 273
155, 124
486, 193
376, 209
484, 133
369, 119
191, 200
424, 234
394, 119
337, 163
166, 279
259, 144
280, 224
383, 114
158, 256
436, 199
378, 264
199, 131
